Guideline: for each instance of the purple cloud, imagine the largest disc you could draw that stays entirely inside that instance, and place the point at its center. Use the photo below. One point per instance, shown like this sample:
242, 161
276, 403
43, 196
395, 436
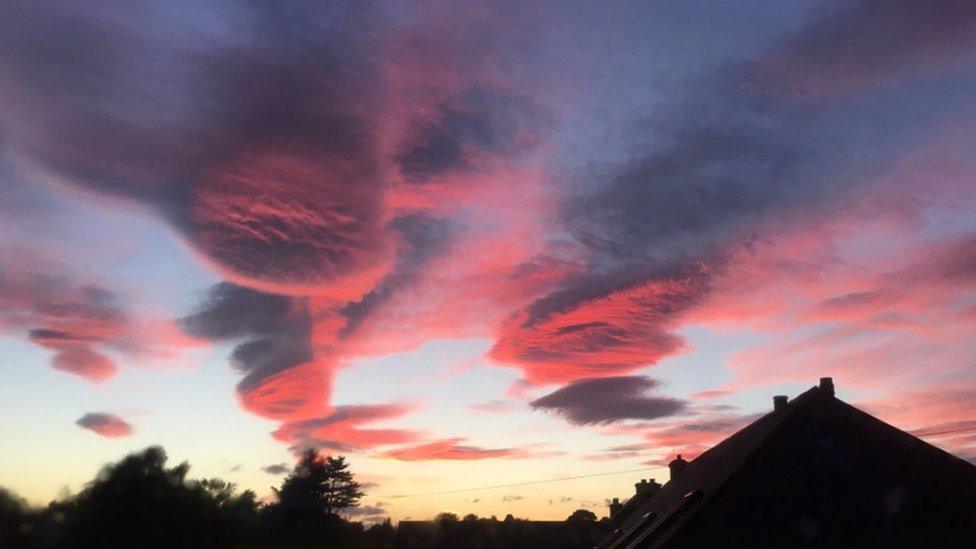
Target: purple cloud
606, 400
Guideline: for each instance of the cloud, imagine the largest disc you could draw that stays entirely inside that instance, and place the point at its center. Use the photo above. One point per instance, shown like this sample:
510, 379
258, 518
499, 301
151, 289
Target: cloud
277, 469
84, 323
569, 336
495, 406
697, 433
265, 159
366, 183
281, 379
422, 237
622, 451
510, 498
320, 158
342, 430
86, 363
714, 169
267, 145
364, 511
451, 449
606, 400
467, 126
854, 45
106, 425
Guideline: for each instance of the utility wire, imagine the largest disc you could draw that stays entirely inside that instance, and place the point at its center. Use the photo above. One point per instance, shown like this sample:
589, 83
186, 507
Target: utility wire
611, 473
525, 483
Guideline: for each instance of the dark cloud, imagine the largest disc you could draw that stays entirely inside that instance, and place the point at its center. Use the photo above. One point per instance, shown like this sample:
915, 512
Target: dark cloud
716, 166
261, 138
854, 44
276, 334
422, 238
231, 311
476, 122
708, 171
257, 143
510, 498
605, 400
56, 339
106, 425
277, 469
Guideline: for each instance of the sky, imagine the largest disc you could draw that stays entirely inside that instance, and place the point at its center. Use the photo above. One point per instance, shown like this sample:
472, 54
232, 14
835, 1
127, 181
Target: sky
471, 244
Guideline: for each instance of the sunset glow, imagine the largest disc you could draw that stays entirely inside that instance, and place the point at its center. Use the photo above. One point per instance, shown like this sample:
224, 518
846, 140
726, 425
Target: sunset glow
470, 245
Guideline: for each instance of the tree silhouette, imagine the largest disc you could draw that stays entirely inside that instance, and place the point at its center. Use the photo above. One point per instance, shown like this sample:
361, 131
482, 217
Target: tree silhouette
15, 520
318, 486
141, 502
582, 516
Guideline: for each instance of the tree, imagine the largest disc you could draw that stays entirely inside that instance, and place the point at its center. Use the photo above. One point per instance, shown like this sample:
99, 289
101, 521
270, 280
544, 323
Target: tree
318, 487
16, 520
140, 502
582, 516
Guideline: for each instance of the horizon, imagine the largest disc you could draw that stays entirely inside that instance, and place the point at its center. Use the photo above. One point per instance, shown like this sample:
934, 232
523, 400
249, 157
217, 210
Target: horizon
476, 244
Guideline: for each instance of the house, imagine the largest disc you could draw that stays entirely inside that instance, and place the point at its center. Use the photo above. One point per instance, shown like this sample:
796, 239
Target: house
814, 472
448, 531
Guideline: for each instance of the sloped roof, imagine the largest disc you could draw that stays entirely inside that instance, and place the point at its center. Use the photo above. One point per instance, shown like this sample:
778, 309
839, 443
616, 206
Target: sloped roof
633, 503
816, 472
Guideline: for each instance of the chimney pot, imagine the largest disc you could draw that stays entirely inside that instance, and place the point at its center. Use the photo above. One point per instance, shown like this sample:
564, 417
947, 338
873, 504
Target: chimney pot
646, 486
677, 466
615, 507
827, 385
779, 402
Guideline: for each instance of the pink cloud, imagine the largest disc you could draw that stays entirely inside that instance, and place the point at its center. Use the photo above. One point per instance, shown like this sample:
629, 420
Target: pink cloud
342, 429
694, 436
86, 363
610, 334
451, 449
300, 391
85, 323
941, 413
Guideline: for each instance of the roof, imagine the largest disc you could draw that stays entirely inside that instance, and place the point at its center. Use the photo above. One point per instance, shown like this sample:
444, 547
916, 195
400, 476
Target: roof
817, 472
633, 503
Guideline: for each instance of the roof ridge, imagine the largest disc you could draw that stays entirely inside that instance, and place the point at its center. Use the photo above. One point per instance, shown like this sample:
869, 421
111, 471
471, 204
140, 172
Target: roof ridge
780, 417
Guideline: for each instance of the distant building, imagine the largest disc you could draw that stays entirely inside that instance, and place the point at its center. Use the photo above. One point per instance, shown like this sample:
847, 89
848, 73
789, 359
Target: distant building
580, 531
643, 491
814, 472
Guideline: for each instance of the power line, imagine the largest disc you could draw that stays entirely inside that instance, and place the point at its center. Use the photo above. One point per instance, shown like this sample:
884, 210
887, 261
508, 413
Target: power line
611, 473
525, 483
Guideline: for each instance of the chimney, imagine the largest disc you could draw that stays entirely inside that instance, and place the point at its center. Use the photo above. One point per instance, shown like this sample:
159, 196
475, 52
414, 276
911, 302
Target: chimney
827, 385
677, 466
615, 507
779, 402
646, 487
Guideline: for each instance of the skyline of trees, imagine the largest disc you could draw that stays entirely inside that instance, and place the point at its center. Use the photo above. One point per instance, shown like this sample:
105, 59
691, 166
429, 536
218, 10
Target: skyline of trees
141, 501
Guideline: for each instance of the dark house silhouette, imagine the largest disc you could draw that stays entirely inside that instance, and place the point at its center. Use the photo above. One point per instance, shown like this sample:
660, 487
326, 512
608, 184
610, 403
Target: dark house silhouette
814, 472
643, 491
